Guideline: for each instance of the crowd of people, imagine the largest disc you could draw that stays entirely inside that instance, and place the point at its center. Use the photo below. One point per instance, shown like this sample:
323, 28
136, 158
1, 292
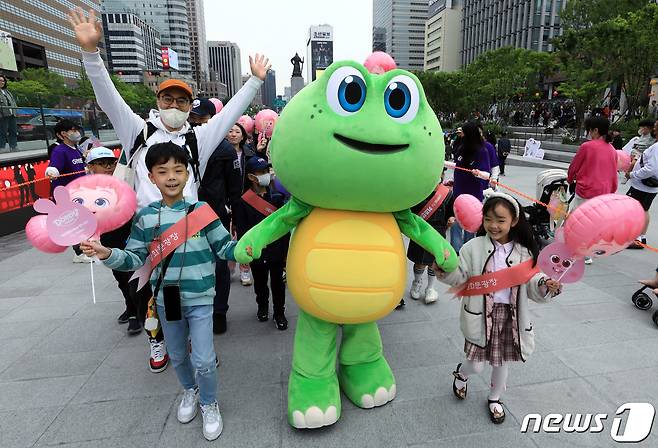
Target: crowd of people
189, 161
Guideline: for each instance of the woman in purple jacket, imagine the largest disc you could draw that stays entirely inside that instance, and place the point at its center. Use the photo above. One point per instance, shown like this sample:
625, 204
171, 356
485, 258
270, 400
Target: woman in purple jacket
471, 154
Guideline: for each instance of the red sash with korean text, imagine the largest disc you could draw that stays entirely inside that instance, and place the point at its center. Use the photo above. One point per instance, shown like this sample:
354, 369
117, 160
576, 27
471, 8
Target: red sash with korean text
172, 238
495, 281
257, 202
440, 195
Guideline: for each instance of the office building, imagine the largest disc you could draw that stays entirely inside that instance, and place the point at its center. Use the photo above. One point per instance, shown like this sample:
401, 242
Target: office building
132, 46
42, 27
399, 30
443, 39
319, 52
269, 88
225, 65
198, 44
171, 20
491, 24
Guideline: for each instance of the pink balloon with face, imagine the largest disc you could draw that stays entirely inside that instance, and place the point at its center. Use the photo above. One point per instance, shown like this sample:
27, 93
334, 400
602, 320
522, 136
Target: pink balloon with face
218, 104
265, 121
623, 161
247, 123
468, 212
37, 235
111, 200
604, 225
379, 62
559, 263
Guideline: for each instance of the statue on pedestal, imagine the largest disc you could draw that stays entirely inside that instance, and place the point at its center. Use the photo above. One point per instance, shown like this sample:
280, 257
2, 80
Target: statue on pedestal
297, 63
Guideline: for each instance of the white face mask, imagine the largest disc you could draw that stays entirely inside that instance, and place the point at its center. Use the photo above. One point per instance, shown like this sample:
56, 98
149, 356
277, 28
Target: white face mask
173, 117
264, 179
75, 137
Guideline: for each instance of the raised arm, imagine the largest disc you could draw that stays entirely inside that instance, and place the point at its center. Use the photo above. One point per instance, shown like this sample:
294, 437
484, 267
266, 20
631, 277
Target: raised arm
422, 233
271, 229
89, 32
212, 133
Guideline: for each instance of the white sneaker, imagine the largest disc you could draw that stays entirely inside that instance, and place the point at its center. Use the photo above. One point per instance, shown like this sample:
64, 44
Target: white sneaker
188, 406
588, 260
212, 421
82, 258
245, 278
416, 289
431, 295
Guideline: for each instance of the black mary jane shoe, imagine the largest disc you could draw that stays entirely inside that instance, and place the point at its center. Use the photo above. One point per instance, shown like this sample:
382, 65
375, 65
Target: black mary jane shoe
459, 393
496, 417
262, 316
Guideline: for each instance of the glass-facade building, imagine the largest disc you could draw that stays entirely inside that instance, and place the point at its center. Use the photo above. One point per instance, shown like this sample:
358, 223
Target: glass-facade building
399, 30
45, 24
491, 24
225, 65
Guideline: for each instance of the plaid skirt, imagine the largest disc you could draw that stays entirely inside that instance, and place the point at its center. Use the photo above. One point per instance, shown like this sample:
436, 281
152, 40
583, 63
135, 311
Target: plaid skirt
501, 347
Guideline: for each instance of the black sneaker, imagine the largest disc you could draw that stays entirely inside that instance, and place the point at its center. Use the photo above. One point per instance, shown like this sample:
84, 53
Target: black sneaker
219, 323
400, 305
280, 321
262, 315
123, 318
134, 325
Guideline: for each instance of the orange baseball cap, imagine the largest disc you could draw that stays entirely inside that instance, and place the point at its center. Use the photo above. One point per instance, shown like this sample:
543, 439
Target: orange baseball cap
177, 83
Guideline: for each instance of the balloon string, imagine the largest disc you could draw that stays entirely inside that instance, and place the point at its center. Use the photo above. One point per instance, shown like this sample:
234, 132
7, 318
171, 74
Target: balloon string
530, 198
39, 180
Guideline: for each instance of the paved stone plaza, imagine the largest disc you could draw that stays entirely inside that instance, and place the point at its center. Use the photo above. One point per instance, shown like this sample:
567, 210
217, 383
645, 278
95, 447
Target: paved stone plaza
71, 377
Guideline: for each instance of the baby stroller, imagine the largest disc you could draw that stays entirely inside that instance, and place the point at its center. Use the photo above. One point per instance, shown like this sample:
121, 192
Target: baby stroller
552, 189
643, 302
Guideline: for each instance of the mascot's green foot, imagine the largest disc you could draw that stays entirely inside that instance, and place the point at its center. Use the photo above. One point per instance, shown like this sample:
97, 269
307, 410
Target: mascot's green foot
369, 384
312, 402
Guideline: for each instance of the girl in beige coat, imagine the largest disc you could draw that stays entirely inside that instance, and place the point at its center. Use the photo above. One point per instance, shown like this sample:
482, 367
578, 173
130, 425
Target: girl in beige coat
495, 321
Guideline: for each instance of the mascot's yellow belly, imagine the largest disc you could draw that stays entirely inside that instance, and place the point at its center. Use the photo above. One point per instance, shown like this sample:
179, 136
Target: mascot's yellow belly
347, 267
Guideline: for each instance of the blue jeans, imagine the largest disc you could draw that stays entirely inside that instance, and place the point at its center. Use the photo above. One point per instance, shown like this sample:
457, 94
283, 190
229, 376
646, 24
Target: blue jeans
459, 236
196, 322
8, 132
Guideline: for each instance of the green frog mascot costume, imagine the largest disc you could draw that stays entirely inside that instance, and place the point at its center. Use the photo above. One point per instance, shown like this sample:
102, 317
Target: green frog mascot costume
356, 149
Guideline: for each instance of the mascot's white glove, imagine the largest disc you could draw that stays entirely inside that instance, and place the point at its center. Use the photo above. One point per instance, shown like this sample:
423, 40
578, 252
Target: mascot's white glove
52, 172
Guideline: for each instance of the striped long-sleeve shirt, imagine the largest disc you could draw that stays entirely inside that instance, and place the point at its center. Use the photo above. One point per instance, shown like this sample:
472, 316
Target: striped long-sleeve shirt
197, 276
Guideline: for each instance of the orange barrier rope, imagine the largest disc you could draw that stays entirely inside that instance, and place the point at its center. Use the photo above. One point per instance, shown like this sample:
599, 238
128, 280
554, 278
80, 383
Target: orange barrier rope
39, 180
515, 191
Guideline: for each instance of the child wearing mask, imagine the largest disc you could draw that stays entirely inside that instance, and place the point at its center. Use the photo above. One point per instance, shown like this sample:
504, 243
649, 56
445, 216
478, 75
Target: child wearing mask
255, 205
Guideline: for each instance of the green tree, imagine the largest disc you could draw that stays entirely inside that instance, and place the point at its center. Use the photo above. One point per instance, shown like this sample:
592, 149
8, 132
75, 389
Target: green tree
53, 82
29, 93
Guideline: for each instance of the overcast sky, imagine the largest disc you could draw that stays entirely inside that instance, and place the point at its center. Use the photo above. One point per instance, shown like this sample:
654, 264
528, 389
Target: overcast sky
279, 28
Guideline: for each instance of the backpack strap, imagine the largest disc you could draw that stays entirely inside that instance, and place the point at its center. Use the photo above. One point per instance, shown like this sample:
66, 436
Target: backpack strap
192, 145
140, 141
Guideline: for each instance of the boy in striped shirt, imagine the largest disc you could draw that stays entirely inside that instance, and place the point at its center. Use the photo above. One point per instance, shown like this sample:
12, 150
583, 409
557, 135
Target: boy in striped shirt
184, 282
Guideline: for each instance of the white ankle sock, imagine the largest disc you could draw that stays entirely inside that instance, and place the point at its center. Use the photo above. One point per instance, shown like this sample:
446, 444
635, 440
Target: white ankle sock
467, 369
431, 279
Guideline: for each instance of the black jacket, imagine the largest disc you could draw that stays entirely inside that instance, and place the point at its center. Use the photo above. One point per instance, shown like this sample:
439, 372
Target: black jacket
504, 147
246, 217
222, 182
247, 153
439, 220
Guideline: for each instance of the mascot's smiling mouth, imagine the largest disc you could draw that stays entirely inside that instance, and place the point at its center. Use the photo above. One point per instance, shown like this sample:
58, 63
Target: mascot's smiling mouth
369, 147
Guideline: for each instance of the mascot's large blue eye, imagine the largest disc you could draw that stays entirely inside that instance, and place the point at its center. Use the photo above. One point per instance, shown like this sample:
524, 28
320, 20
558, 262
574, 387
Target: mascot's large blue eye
346, 90
397, 99
352, 93
102, 202
401, 99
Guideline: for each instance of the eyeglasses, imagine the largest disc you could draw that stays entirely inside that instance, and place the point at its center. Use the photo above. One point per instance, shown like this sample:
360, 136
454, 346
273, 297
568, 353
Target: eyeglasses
180, 101
104, 163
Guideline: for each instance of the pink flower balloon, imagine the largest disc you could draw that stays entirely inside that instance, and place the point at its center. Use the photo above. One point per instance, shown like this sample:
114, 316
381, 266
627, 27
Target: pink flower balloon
468, 212
218, 104
37, 234
247, 123
623, 161
265, 121
604, 225
110, 199
67, 223
379, 62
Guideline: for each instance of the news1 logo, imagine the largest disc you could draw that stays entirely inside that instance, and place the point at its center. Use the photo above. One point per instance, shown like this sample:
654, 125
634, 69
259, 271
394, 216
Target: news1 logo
639, 421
